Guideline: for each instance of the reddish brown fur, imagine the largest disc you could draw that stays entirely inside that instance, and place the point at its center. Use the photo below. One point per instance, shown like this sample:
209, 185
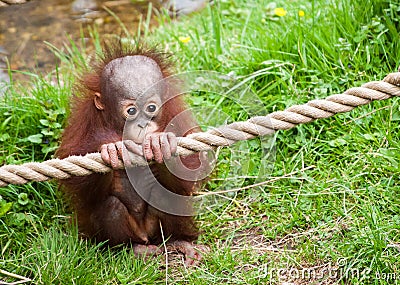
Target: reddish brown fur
94, 195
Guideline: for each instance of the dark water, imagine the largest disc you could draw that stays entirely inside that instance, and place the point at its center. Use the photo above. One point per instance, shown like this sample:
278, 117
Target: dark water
25, 28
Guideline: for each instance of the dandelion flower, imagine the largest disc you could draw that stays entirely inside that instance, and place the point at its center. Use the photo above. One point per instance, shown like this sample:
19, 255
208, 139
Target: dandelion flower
301, 13
184, 40
280, 12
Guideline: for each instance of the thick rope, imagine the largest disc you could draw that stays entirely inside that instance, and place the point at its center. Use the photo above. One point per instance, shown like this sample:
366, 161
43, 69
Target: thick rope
222, 136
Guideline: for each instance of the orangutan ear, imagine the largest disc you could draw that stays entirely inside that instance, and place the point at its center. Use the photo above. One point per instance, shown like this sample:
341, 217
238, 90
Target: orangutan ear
97, 101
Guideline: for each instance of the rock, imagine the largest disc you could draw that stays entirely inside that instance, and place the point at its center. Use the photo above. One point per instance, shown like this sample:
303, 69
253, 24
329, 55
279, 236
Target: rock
83, 6
14, 1
184, 7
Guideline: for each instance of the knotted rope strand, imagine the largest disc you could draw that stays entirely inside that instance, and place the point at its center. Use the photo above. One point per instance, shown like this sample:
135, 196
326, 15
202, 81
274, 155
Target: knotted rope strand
222, 136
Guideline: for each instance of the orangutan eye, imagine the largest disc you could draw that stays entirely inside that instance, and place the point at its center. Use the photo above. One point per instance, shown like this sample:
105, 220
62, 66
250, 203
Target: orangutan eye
132, 111
151, 108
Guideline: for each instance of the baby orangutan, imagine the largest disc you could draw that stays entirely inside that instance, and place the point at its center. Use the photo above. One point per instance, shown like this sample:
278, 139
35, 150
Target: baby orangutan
114, 207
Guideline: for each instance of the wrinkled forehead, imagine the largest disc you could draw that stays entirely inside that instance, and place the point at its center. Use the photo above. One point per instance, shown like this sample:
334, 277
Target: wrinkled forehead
130, 76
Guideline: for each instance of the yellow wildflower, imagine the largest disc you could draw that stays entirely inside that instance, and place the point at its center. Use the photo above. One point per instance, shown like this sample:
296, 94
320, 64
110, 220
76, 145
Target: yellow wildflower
184, 40
301, 13
280, 12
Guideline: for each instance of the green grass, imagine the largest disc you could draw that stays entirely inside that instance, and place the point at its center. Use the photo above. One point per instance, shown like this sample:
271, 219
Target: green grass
331, 210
